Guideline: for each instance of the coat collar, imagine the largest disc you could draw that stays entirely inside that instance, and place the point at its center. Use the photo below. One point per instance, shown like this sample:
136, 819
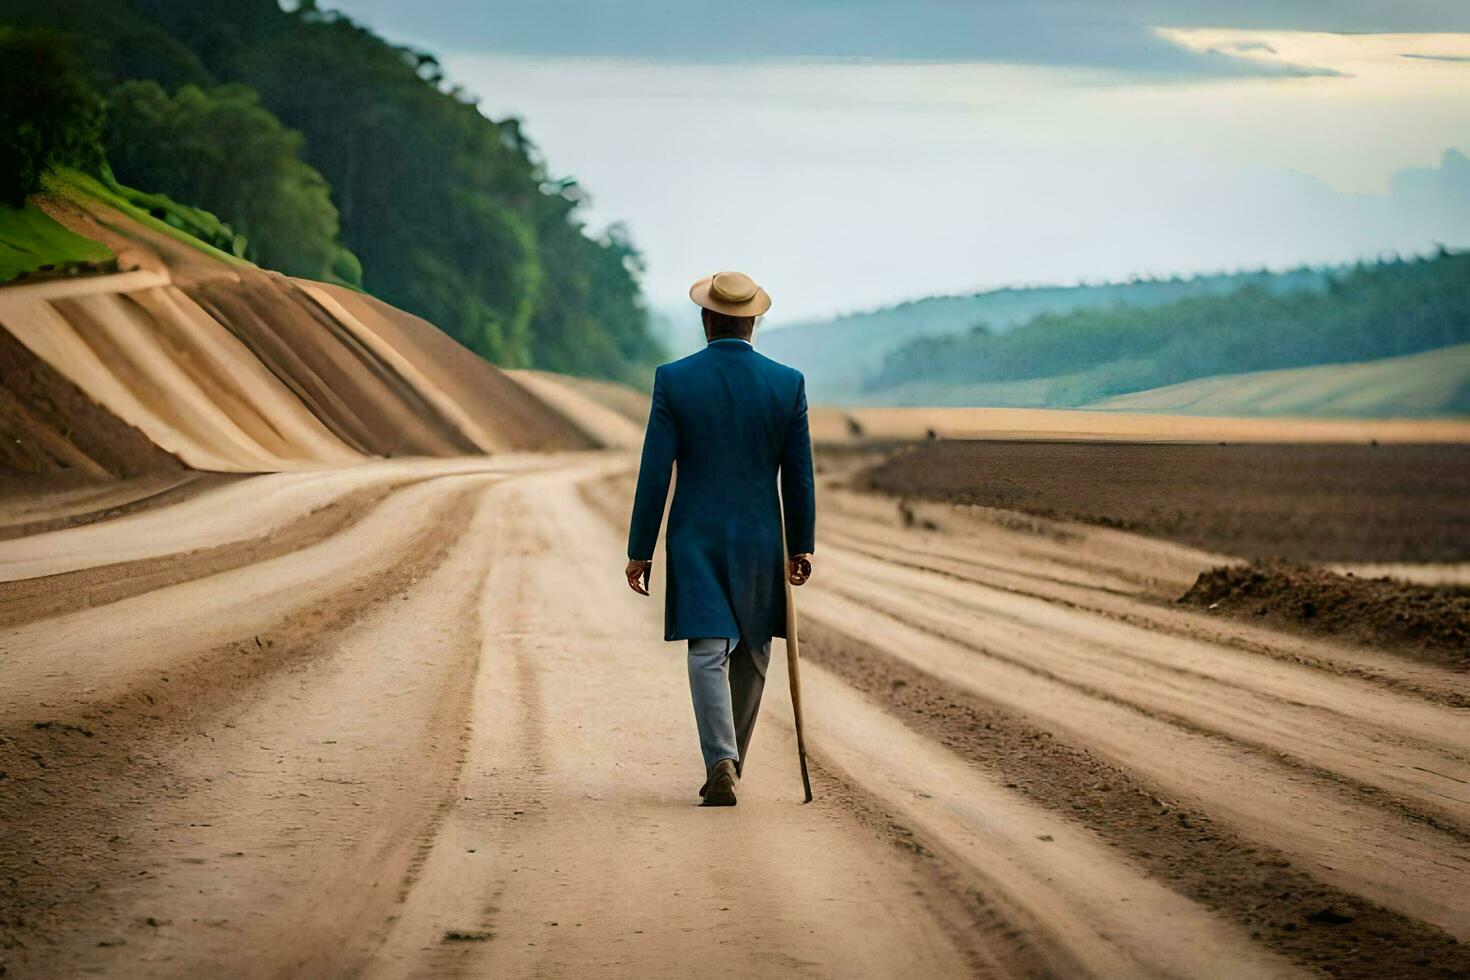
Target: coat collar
730, 343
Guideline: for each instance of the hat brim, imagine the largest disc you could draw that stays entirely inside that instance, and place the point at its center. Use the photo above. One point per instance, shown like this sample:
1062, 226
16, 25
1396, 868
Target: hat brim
755, 306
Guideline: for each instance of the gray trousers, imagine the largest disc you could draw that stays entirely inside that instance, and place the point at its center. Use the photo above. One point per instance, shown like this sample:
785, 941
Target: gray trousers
726, 682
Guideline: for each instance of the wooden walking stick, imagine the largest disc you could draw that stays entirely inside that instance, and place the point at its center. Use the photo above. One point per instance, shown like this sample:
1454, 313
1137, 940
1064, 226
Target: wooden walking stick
793, 670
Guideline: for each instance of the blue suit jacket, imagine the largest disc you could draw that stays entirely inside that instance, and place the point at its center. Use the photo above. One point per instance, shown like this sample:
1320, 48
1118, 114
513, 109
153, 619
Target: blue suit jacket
733, 420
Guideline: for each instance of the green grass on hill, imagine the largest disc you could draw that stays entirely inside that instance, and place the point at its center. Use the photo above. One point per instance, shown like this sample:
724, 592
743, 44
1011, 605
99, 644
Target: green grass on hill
191, 226
30, 240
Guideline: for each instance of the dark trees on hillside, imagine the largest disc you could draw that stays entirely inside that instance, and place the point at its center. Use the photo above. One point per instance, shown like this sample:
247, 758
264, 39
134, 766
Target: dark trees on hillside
222, 151
49, 115
452, 214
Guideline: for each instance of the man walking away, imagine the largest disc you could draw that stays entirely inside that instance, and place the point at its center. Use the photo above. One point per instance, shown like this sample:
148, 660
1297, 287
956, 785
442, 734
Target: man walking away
735, 421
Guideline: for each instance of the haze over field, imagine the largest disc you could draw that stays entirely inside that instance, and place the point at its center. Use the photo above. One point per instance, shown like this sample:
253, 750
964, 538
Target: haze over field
853, 161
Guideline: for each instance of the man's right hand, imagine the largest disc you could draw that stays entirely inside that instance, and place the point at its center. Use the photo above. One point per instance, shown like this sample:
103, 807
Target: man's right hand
798, 569
637, 572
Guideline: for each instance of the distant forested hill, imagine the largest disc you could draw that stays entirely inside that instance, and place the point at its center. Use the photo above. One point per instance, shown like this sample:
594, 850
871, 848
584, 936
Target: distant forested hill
840, 355
1084, 356
329, 153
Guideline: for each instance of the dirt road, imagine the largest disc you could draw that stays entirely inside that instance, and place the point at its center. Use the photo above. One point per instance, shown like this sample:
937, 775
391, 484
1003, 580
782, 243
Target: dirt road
405, 719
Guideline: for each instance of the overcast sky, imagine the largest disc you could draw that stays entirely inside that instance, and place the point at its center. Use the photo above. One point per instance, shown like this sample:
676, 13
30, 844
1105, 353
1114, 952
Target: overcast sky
852, 154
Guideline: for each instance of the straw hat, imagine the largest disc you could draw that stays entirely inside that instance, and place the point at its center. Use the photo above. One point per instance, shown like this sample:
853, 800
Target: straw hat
734, 293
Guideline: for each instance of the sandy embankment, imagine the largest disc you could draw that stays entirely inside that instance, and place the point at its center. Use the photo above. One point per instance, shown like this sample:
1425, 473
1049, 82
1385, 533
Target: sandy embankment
231, 369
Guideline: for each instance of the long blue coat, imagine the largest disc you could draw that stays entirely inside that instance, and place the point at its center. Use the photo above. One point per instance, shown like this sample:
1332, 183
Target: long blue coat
733, 420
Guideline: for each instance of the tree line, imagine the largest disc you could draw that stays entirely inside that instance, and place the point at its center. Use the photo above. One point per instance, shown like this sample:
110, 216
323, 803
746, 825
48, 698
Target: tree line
1383, 309
330, 154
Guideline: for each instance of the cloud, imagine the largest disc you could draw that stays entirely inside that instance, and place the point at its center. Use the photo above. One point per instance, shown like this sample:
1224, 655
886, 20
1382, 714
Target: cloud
1243, 47
1115, 35
1335, 16
844, 186
1438, 57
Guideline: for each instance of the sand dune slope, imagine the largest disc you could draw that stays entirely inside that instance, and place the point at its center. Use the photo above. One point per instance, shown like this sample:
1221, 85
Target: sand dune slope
602, 423
241, 370
484, 401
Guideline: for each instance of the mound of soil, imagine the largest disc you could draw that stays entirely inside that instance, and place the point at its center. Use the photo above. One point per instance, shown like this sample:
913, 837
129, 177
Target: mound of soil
237, 369
1431, 621
1301, 502
509, 416
50, 426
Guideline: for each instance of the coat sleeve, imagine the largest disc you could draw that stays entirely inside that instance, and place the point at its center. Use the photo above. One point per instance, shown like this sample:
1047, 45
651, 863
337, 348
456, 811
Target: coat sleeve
660, 444
798, 487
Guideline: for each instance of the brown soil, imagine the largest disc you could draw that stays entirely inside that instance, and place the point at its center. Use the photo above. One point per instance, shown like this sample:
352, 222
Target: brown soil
1302, 502
1431, 621
48, 425
362, 401
401, 751
831, 425
1281, 904
66, 270
992, 944
39, 510
29, 599
398, 743
237, 369
511, 416
629, 402
104, 761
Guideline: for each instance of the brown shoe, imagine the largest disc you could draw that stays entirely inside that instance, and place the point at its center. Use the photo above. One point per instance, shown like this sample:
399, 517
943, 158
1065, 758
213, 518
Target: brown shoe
705, 788
720, 790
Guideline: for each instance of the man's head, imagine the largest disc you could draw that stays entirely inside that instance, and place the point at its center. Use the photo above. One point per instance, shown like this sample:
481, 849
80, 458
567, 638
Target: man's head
730, 303
720, 326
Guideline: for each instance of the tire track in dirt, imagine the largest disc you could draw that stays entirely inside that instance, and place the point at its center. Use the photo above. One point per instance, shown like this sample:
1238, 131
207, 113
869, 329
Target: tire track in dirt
26, 600
1358, 846
460, 749
585, 854
1236, 694
1145, 611
1249, 819
76, 769
106, 502
236, 511
445, 916
94, 655
332, 783
1083, 906
1002, 576
1283, 906
1383, 766
1037, 912
993, 944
